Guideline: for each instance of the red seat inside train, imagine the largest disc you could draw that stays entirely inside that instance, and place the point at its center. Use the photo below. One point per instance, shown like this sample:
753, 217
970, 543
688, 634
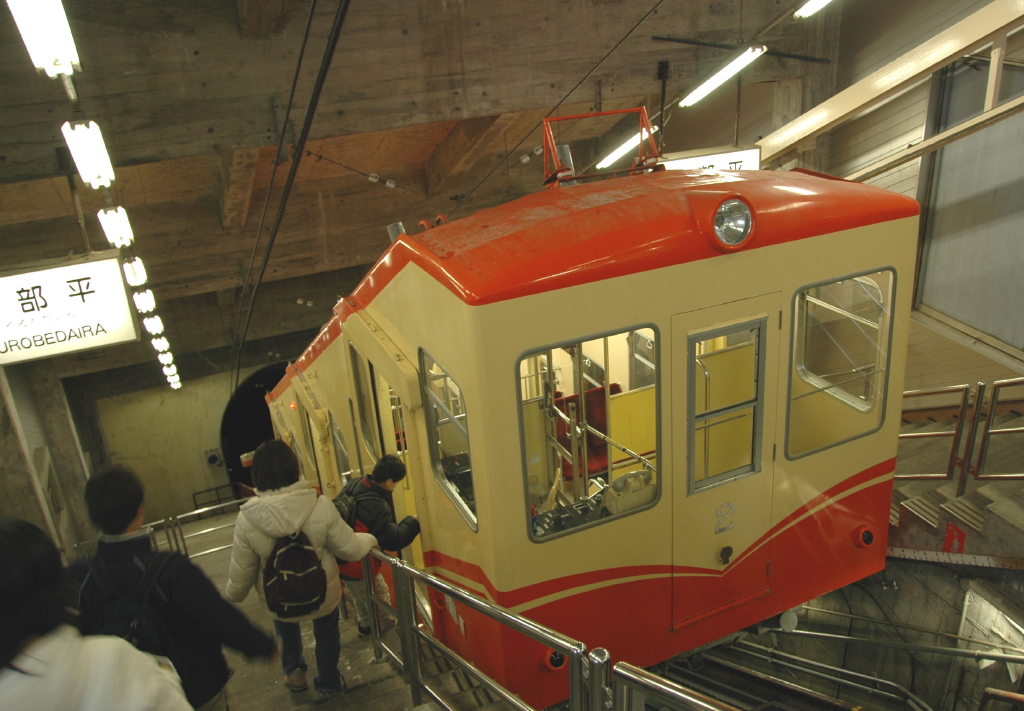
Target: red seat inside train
597, 417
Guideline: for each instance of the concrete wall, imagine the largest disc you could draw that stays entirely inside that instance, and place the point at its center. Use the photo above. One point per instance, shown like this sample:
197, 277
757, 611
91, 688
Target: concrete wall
163, 434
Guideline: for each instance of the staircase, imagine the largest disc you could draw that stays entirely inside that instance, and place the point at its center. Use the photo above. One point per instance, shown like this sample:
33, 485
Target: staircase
987, 520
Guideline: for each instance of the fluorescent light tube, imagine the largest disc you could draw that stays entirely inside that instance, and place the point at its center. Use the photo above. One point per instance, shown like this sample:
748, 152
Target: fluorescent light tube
624, 149
176, 386
725, 74
160, 344
174, 378
810, 7
134, 272
116, 227
46, 34
170, 370
85, 141
145, 302
153, 324
166, 358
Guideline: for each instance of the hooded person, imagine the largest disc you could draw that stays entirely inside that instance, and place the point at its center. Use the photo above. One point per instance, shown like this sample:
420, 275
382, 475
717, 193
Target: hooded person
285, 505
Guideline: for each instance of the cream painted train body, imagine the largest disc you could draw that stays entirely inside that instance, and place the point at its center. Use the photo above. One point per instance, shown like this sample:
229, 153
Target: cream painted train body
618, 423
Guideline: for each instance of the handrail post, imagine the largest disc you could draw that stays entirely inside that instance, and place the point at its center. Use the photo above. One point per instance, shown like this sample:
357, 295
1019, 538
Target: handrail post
405, 595
599, 670
965, 466
181, 536
378, 652
577, 684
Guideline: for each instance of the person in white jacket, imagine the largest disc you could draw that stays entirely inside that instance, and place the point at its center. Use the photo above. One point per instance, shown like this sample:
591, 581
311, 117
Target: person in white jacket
46, 665
286, 504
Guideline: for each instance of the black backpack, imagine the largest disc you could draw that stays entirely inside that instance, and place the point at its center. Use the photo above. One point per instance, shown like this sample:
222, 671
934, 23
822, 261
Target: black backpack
346, 502
294, 582
135, 618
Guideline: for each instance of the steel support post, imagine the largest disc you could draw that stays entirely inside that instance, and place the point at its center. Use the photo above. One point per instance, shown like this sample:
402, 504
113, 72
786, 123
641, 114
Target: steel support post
600, 699
577, 684
405, 595
378, 651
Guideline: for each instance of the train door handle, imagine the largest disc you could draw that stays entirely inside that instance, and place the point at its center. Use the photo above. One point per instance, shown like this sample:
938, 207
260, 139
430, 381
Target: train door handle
725, 554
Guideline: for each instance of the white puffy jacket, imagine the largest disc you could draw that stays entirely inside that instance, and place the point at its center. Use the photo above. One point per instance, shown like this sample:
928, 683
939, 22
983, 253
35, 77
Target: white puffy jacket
281, 512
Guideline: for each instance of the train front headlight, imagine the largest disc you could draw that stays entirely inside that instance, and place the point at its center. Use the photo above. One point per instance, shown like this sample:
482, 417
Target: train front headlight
733, 222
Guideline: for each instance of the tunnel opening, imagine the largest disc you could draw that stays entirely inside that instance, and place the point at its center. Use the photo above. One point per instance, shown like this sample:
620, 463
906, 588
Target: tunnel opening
246, 422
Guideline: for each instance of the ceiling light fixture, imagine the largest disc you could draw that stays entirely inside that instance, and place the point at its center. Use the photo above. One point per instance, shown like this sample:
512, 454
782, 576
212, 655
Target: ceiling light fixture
85, 141
116, 227
174, 378
166, 358
161, 344
44, 30
153, 324
624, 149
176, 386
723, 75
810, 7
145, 302
134, 272
170, 370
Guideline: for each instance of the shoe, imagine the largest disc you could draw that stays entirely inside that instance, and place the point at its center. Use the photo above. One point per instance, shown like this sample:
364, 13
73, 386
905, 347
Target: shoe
363, 631
325, 695
296, 680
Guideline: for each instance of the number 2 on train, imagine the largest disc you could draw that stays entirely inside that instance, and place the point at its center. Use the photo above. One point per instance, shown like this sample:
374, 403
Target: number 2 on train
724, 512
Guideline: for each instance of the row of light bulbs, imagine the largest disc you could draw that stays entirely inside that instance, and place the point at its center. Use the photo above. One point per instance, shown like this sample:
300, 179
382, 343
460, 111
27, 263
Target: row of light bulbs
44, 28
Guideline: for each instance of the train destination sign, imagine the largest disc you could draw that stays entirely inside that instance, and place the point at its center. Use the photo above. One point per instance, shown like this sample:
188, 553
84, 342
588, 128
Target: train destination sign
725, 158
64, 309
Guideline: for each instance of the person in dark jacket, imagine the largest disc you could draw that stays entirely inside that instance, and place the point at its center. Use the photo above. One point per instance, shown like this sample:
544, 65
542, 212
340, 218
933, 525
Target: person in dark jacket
198, 617
375, 511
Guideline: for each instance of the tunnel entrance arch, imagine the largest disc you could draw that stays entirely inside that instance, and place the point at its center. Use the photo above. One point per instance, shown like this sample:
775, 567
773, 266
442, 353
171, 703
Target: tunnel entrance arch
246, 421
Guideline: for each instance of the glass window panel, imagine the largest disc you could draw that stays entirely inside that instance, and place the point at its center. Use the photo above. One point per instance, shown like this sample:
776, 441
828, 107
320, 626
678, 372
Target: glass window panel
340, 448
364, 402
726, 397
589, 427
448, 425
840, 361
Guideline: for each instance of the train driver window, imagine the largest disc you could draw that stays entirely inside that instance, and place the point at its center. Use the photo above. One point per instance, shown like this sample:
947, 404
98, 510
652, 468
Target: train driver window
448, 427
589, 423
840, 358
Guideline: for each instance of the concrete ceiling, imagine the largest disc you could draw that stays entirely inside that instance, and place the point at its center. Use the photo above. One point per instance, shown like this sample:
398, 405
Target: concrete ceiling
190, 96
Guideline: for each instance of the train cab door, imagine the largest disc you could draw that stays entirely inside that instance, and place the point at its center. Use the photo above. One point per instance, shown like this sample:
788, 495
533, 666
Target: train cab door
725, 362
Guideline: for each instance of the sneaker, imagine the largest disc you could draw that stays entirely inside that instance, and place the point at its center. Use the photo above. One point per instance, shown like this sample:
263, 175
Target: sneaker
296, 680
363, 631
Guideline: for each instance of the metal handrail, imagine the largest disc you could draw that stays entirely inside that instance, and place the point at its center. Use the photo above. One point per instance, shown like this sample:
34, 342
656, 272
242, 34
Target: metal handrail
978, 471
626, 678
991, 696
409, 631
957, 433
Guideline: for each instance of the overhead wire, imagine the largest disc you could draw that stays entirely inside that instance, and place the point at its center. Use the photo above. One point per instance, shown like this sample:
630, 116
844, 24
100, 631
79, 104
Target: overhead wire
318, 156
300, 145
270, 188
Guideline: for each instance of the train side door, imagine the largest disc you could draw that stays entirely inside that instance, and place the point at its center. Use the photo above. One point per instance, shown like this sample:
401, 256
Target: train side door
724, 389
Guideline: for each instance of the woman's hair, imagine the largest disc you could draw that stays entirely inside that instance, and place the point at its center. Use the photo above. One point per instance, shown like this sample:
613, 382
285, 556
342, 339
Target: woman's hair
31, 586
274, 466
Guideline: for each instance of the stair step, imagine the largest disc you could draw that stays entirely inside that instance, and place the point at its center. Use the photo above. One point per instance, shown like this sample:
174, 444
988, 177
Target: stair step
970, 509
1010, 509
927, 506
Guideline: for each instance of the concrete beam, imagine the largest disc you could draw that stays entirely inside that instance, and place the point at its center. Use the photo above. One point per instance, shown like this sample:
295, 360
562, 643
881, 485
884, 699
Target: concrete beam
237, 173
997, 18
461, 148
261, 18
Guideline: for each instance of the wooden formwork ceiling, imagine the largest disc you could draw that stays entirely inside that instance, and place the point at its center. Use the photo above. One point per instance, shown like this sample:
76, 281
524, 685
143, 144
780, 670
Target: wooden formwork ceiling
433, 95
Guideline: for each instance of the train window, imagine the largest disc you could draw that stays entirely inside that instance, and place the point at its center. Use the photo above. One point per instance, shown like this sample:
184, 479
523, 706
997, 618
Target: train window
448, 427
364, 401
340, 448
588, 417
840, 359
726, 403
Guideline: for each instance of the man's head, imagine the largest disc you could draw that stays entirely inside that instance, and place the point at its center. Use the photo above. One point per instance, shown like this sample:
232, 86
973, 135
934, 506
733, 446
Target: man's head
388, 472
274, 466
114, 496
31, 597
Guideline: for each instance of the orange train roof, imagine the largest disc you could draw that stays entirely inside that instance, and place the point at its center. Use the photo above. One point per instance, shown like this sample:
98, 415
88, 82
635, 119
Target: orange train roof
575, 235
568, 236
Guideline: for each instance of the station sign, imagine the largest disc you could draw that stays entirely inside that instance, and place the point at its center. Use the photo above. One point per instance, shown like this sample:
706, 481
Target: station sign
724, 158
73, 307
